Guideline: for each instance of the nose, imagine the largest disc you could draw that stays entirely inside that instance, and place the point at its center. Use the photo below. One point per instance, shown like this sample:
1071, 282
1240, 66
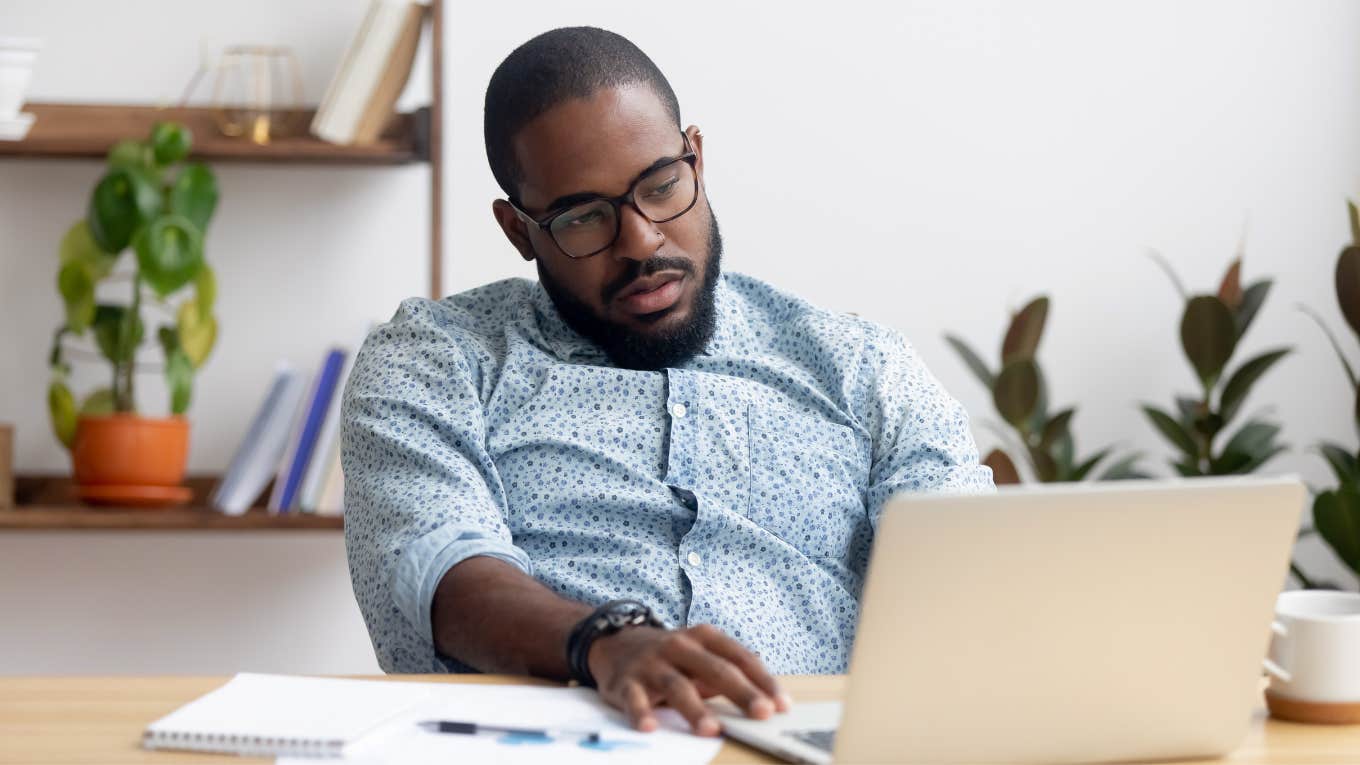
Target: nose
638, 236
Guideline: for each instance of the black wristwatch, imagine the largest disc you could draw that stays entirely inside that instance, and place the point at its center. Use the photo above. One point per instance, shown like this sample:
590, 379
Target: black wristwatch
609, 618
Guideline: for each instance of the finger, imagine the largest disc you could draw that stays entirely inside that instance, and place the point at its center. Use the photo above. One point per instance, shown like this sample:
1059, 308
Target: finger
750, 665
715, 673
637, 706
680, 693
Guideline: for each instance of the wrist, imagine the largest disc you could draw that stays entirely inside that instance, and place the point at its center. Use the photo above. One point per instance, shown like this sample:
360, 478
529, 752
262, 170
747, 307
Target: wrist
609, 619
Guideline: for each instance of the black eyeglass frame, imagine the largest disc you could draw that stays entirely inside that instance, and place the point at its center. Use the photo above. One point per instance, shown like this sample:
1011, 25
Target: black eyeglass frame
626, 198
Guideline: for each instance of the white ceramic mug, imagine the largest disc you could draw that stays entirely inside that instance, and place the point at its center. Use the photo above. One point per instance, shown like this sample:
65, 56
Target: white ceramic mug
1315, 650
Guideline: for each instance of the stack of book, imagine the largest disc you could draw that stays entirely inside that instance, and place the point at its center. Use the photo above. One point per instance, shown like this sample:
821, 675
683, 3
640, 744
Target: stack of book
360, 98
293, 441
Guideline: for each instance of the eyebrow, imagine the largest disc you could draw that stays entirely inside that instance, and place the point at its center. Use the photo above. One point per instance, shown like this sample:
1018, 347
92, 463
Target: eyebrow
578, 197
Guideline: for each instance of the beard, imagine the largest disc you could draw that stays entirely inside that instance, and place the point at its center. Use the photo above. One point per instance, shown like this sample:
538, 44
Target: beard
629, 348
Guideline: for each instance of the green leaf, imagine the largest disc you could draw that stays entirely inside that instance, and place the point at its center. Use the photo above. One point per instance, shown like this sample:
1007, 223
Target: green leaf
78, 246
1187, 469
1173, 431
1336, 346
1348, 285
1017, 391
1087, 466
170, 142
205, 292
98, 402
130, 153
1250, 447
1230, 462
115, 342
1123, 469
194, 195
1336, 514
1045, 467
974, 361
1056, 427
61, 409
1026, 329
1344, 464
179, 376
1170, 273
1208, 335
123, 201
1235, 392
196, 336
1252, 300
77, 294
169, 253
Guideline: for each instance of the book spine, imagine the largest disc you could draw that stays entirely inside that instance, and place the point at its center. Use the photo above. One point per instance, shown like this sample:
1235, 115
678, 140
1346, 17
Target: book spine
316, 411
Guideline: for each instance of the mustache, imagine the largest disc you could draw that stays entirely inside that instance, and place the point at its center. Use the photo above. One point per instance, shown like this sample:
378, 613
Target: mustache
646, 267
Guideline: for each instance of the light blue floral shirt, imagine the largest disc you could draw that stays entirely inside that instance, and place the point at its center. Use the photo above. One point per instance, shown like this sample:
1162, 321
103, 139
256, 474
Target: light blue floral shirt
741, 489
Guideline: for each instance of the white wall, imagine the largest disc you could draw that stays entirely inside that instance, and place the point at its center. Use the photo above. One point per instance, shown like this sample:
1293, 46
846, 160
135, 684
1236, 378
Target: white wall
945, 161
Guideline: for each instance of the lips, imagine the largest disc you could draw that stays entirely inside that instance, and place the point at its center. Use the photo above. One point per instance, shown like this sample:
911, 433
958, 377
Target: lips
650, 294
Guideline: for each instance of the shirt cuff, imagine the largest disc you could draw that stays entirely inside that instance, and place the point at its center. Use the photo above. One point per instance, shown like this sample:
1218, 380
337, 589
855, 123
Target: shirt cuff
424, 562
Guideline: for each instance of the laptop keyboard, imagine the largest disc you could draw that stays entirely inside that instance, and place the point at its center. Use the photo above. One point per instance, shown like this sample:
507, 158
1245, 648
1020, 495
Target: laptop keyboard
822, 739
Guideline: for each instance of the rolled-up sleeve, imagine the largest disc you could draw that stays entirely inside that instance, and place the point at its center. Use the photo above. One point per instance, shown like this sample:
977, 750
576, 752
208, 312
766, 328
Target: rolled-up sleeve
421, 491
921, 439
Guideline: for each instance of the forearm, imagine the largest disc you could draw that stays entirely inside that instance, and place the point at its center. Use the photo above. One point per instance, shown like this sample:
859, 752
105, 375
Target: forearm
489, 614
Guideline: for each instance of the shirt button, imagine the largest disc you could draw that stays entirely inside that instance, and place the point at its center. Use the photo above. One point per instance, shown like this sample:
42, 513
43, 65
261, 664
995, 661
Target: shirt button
694, 559
678, 410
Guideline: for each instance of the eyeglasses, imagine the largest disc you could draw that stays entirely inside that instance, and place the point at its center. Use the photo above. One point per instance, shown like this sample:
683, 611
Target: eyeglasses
661, 194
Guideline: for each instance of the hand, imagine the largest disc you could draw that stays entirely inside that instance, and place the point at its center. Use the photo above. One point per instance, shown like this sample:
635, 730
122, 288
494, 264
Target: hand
639, 668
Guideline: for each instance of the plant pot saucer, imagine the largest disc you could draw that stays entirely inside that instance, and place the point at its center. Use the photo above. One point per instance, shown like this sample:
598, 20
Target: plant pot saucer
140, 497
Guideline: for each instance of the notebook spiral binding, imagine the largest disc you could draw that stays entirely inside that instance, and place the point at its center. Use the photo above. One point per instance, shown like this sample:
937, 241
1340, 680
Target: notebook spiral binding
243, 745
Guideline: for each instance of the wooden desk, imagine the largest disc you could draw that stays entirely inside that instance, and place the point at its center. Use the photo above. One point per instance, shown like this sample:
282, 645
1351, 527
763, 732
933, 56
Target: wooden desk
100, 720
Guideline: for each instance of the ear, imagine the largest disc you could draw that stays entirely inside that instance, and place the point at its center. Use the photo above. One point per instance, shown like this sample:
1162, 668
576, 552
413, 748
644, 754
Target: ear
515, 230
696, 142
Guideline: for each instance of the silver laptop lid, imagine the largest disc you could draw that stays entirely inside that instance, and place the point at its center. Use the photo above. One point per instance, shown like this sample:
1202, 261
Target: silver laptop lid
1078, 623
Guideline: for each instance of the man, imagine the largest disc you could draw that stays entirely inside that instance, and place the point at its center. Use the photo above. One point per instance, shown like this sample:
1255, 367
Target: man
636, 426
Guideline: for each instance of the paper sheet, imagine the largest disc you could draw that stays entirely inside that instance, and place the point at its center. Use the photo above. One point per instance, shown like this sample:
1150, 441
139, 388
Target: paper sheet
402, 740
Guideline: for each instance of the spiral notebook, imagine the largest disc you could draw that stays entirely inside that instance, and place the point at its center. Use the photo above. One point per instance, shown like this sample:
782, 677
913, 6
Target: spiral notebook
283, 716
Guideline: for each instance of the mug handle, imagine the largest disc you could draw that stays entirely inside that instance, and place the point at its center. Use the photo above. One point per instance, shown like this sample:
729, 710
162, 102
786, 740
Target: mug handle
1275, 670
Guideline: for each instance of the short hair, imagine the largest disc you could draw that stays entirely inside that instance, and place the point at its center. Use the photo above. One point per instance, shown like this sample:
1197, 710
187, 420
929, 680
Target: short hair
557, 66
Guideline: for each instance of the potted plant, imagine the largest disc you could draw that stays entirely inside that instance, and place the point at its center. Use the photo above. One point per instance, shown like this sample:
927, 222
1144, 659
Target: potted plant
1020, 395
1211, 328
1336, 512
152, 202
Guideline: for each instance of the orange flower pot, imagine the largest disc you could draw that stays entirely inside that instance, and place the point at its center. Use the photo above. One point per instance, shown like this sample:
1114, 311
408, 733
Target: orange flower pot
130, 460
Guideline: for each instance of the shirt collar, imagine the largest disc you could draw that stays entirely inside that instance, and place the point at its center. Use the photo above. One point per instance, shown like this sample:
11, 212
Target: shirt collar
570, 346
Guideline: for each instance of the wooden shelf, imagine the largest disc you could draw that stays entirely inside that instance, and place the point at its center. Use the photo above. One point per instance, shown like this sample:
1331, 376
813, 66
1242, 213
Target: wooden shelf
49, 503
87, 131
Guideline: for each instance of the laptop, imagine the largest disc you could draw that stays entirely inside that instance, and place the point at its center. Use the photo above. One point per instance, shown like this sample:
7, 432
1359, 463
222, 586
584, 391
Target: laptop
1056, 624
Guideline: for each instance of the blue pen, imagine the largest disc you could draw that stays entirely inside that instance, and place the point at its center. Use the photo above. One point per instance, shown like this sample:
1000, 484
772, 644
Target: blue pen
472, 729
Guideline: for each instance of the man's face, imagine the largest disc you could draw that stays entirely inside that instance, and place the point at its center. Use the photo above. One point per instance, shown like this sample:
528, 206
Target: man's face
648, 298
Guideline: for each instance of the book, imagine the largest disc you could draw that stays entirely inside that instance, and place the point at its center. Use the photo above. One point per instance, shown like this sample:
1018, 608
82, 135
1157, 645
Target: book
327, 104
332, 500
258, 455
306, 427
282, 716
380, 105
371, 74
328, 442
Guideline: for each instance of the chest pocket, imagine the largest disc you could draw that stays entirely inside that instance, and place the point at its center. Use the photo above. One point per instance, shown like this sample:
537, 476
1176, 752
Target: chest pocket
806, 479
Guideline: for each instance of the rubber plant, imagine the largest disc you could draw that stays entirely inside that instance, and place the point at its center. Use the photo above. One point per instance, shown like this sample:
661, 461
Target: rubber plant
1211, 329
153, 203
1020, 394
1336, 512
